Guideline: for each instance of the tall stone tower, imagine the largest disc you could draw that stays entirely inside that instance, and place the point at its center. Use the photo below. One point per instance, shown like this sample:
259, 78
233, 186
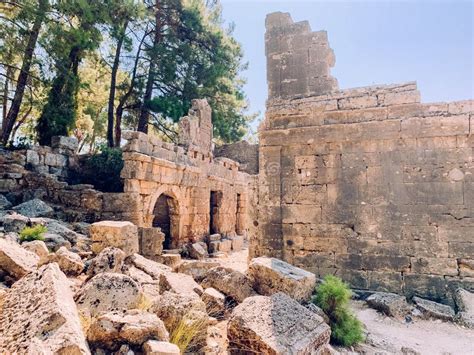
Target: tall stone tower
298, 60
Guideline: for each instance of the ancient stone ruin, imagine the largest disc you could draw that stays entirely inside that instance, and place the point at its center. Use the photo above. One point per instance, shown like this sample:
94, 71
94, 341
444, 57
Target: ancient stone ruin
369, 183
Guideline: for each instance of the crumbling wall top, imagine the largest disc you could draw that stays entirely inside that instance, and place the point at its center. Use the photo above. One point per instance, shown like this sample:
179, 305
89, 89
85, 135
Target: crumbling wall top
195, 129
298, 60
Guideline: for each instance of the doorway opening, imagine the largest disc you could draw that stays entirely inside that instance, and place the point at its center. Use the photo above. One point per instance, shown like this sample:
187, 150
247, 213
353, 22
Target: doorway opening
166, 218
215, 202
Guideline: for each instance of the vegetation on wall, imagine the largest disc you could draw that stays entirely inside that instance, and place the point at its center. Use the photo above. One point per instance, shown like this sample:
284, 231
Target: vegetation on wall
93, 68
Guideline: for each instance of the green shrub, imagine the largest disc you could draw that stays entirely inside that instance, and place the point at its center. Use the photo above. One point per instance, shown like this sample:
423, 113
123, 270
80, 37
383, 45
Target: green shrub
103, 170
333, 296
29, 234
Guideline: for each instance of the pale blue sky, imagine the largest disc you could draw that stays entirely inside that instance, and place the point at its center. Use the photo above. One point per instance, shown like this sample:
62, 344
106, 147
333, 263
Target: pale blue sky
375, 42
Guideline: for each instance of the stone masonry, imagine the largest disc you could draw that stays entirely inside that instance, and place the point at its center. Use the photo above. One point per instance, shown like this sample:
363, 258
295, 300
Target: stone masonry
369, 184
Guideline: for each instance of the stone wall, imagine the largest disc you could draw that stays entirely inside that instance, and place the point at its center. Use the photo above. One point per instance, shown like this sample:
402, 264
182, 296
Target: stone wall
369, 184
186, 174
243, 152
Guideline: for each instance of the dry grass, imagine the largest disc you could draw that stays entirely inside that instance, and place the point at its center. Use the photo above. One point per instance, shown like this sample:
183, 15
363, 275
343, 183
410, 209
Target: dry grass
189, 333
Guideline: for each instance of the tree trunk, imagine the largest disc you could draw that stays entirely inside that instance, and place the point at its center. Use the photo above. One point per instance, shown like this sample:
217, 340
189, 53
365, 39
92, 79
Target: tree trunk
113, 84
24, 71
145, 111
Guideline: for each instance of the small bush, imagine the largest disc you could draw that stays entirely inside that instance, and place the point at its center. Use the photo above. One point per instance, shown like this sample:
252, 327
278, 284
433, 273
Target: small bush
103, 170
29, 234
333, 297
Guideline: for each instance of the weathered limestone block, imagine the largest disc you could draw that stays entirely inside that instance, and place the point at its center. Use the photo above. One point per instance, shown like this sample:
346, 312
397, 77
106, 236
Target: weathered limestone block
14, 222
122, 235
172, 308
435, 310
108, 292
67, 143
464, 300
237, 242
16, 261
38, 316
224, 246
39, 248
270, 275
34, 208
214, 301
154, 347
179, 283
173, 260
70, 263
230, 282
276, 325
4, 203
151, 242
389, 303
108, 260
197, 250
150, 267
133, 327
196, 269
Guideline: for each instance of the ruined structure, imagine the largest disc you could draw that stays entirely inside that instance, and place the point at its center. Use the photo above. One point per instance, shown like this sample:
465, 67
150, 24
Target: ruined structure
182, 188
368, 183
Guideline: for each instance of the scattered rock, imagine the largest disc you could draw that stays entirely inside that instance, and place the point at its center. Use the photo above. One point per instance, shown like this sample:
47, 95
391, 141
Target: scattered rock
276, 325
214, 301
109, 260
224, 245
81, 227
39, 248
237, 242
38, 316
55, 241
154, 347
196, 268
435, 310
270, 275
465, 304
108, 292
133, 327
122, 235
317, 310
60, 228
180, 283
14, 222
171, 260
230, 282
70, 263
34, 208
4, 203
150, 267
197, 251
180, 310
390, 304
16, 261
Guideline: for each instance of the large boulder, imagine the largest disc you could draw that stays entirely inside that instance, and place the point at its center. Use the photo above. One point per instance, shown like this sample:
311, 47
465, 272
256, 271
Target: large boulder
465, 304
390, 304
173, 308
109, 260
14, 222
15, 260
55, 241
70, 263
122, 235
150, 267
275, 325
197, 251
270, 275
38, 316
179, 283
214, 301
4, 203
134, 327
39, 248
196, 268
230, 282
108, 292
34, 208
434, 310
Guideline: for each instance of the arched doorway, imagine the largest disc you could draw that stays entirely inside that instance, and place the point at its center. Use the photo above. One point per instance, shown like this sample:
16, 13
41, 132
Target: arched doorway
166, 217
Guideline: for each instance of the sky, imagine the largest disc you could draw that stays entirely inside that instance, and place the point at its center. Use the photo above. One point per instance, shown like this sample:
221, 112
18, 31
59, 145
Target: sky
375, 42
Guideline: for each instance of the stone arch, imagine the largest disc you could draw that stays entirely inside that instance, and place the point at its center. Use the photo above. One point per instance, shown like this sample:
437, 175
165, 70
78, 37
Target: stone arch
164, 211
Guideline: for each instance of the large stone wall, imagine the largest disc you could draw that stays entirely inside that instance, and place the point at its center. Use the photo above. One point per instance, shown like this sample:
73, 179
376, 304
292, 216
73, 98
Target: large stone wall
243, 152
369, 184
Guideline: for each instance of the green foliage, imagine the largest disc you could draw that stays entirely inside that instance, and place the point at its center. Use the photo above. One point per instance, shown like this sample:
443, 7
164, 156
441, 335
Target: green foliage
29, 234
333, 297
103, 170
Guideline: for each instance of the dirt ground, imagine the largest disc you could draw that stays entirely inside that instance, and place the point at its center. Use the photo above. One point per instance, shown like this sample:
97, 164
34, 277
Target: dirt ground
386, 335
